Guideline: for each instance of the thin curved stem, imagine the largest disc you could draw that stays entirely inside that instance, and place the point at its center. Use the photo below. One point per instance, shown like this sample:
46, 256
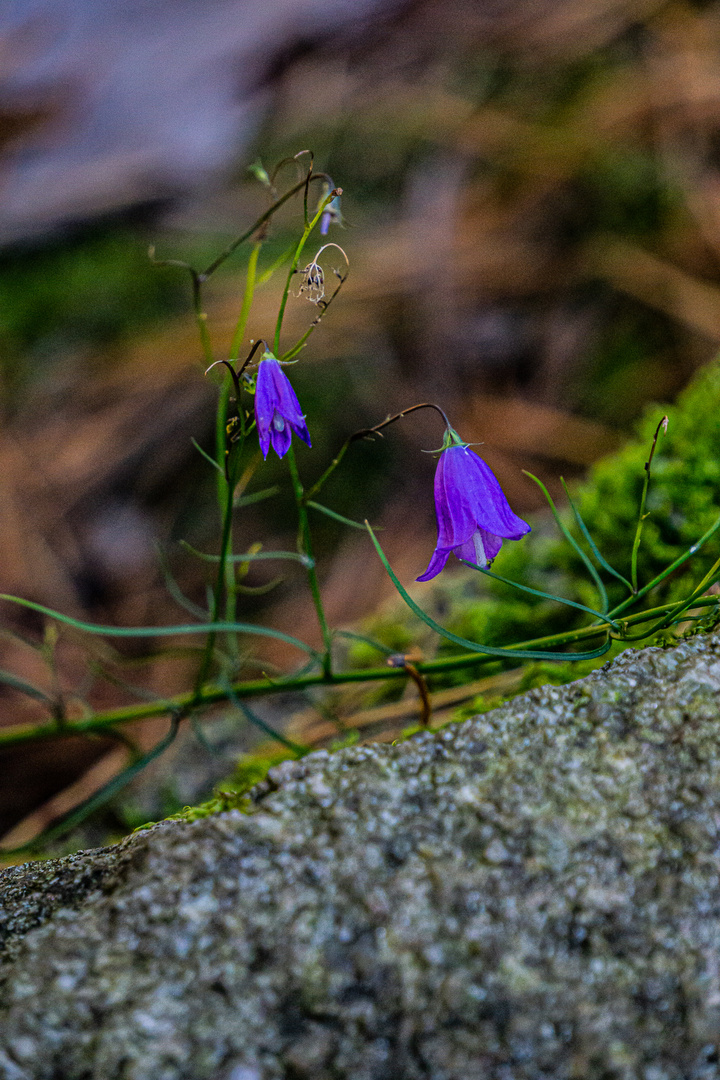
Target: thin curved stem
573, 543
675, 565
593, 546
542, 595
642, 515
96, 723
366, 433
228, 251
487, 650
294, 265
225, 574
161, 631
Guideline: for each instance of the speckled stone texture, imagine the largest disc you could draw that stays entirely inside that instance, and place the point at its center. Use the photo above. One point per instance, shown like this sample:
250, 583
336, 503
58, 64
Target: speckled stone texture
532, 894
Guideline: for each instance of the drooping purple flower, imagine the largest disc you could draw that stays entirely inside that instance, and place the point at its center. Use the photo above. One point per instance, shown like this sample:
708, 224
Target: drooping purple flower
277, 409
473, 514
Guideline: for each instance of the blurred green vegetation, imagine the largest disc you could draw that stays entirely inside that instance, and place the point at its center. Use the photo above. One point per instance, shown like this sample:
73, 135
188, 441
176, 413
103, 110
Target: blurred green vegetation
85, 293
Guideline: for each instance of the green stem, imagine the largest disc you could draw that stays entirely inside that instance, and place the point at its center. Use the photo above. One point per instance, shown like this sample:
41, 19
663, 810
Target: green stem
226, 480
210, 695
593, 546
642, 515
221, 420
366, 433
253, 228
226, 571
225, 575
573, 542
537, 592
681, 559
709, 579
305, 548
293, 270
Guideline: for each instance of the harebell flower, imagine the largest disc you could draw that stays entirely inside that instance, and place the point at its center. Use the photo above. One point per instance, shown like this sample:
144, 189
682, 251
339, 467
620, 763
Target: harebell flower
473, 515
277, 409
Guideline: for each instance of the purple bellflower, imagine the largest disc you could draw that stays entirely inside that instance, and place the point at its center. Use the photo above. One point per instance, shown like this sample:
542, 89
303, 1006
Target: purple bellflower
277, 409
473, 514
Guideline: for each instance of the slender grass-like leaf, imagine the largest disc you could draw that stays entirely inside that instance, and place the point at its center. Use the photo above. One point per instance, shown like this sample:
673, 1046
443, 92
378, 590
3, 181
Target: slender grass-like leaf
161, 631
304, 678
473, 646
250, 280
543, 595
258, 590
257, 556
174, 589
675, 565
24, 687
275, 265
687, 617
573, 543
710, 578
337, 517
593, 546
643, 500
207, 457
256, 497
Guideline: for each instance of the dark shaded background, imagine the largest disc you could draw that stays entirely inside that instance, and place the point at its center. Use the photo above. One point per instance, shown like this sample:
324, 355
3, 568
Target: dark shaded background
532, 195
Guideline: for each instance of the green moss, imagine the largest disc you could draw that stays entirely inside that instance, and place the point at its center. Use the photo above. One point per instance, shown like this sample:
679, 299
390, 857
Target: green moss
231, 794
683, 502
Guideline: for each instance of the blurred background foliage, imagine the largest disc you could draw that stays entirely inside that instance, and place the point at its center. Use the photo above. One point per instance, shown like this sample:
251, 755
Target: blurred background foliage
532, 199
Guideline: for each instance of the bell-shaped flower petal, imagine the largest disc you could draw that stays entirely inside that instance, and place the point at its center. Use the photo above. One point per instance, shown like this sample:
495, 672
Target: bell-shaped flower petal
473, 515
277, 410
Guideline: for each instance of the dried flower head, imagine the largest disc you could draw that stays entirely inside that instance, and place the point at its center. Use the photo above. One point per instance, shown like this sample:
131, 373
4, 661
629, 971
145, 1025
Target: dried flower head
313, 282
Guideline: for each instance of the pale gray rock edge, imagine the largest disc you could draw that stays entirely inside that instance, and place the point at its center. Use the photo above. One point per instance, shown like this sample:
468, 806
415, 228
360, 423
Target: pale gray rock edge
533, 893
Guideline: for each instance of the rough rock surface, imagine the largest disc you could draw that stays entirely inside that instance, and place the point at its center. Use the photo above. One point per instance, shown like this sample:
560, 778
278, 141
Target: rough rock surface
533, 893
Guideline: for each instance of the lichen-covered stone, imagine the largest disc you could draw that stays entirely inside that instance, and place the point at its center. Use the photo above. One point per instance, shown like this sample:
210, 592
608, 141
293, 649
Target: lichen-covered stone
532, 894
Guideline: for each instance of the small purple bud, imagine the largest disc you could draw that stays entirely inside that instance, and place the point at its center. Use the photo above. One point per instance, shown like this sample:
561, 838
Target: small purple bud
473, 515
277, 409
332, 214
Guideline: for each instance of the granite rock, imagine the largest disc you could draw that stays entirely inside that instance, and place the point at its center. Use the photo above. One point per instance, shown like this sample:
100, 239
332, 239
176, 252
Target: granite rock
534, 893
